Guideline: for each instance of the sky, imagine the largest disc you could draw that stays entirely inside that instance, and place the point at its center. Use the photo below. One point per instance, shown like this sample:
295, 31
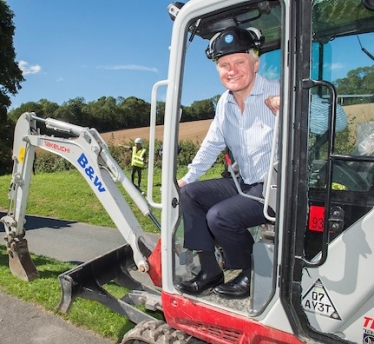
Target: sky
91, 48
119, 48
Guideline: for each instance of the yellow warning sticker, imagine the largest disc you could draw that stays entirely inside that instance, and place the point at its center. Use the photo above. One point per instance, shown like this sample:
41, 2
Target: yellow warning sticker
21, 155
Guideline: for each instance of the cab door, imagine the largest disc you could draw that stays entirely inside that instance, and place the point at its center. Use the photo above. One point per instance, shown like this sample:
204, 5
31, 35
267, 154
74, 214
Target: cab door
329, 221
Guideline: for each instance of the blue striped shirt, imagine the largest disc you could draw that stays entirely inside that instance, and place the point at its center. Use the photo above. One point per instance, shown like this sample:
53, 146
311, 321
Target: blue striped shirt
319, 115
248, 135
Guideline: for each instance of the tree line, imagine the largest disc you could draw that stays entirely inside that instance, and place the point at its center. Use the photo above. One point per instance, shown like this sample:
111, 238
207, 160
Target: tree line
111, 114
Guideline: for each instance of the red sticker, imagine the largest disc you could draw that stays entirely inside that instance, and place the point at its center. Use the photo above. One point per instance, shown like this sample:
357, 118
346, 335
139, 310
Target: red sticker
316, 218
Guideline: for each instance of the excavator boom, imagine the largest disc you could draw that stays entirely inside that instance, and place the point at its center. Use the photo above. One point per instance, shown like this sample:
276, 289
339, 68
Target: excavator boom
88, 152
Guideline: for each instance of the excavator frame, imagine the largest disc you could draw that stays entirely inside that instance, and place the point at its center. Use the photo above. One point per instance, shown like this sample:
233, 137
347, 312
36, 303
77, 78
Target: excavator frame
323, 198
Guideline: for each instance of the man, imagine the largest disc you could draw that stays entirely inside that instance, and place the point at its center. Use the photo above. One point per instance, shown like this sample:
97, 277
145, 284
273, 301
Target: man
213, 211
137, 160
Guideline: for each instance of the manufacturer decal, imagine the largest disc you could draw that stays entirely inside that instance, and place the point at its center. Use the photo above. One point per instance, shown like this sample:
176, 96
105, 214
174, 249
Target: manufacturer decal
317, 301
56, 146
90, 172
368, 326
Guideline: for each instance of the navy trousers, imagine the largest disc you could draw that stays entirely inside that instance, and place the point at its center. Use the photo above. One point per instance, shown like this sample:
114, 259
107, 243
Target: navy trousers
214, 212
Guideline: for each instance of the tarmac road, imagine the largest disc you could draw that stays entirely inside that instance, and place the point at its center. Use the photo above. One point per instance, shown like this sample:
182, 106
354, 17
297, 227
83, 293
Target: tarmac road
69, 241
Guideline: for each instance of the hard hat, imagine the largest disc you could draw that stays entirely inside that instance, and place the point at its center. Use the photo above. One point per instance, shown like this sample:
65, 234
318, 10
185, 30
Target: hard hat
234, 40
138, 140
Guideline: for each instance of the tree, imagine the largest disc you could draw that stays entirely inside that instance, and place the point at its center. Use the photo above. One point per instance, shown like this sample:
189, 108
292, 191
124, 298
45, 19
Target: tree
160, 113
187, 114
10, 82
16, 113
203, 109
74, 111
136, 112
49, 108
105, 114
358, 81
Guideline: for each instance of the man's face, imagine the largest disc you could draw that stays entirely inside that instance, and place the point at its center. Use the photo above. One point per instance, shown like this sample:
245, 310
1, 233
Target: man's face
237, 71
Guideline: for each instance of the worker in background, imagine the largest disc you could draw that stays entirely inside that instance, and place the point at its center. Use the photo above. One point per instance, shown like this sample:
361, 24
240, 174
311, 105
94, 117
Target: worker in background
138, 159
213, 210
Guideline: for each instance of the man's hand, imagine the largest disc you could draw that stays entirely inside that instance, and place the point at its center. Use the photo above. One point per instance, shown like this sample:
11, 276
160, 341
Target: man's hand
273, 103
181, 183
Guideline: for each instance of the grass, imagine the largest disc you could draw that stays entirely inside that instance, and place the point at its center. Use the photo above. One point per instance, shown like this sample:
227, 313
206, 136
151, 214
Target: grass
66, 196
45, 292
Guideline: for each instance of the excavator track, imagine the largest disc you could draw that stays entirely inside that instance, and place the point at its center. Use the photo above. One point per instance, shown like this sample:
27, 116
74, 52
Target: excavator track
157, 332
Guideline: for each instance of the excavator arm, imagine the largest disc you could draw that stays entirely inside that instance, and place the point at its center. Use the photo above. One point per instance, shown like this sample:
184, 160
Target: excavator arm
87, 151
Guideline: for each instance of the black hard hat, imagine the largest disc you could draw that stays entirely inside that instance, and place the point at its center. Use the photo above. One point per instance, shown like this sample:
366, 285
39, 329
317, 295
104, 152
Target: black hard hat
234, 40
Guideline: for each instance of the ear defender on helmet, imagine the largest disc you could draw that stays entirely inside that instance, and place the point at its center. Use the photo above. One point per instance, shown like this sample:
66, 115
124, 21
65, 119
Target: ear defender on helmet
209, 51
234, 40
257, 36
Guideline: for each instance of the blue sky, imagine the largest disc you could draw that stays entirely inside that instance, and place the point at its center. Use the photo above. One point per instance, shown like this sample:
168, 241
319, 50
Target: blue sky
92, 48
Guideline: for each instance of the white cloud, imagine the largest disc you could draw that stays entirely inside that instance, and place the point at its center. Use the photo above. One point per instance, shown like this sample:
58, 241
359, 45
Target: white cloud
60, 79
335, 66
130, 67
28, 69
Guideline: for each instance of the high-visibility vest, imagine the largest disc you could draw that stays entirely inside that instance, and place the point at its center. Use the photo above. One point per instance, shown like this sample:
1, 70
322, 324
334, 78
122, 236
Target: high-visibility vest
137, 157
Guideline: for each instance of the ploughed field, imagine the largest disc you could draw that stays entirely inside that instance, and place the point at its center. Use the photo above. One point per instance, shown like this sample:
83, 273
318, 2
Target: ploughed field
195, 131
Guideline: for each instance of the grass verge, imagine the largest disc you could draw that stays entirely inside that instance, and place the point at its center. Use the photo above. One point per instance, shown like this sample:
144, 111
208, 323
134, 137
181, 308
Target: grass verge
45, 292
67, 196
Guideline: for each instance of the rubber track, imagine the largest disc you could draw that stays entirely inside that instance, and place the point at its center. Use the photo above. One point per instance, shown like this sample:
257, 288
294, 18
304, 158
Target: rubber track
157, 332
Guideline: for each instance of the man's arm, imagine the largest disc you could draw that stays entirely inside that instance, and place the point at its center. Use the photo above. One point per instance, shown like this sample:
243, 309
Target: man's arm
318, 116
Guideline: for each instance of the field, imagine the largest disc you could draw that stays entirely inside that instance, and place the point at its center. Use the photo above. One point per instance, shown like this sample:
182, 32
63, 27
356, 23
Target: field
195, 131
191, 131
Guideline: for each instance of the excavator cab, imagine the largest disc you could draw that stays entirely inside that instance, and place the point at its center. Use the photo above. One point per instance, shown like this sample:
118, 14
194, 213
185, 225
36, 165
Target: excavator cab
309, 261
